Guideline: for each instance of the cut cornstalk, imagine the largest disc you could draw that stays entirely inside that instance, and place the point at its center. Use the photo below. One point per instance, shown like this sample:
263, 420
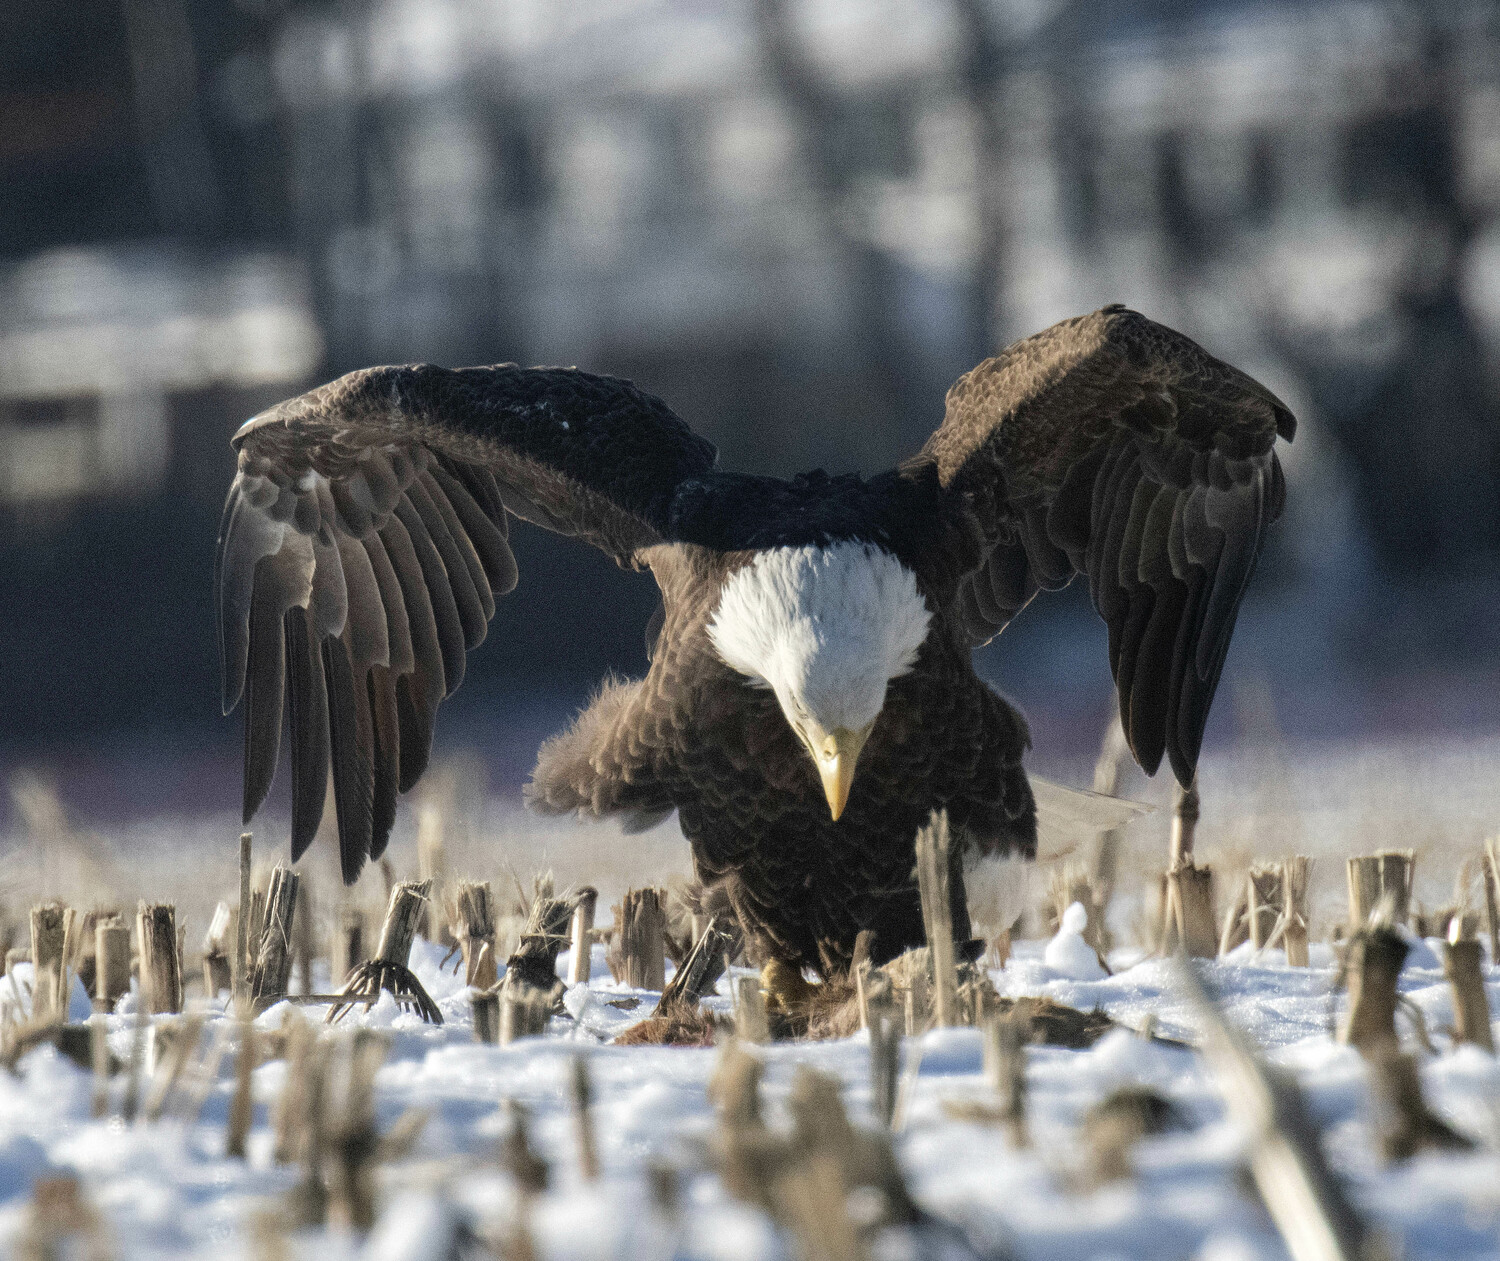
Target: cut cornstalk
885, 1024
50, 922
699, 971
273, 956
1316, 1219
218, 967
161, 972
581, 935
1188, 922
242, 924
524, 1012
1372, 967
1004, 1062
388, 970
641, 946
473, 922
1464, 967
111, 962
1294, 879
751, 1022
583, 1120
1377, 881
932, 845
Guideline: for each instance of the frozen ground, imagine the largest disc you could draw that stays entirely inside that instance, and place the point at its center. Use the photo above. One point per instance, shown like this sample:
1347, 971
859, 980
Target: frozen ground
167, 1190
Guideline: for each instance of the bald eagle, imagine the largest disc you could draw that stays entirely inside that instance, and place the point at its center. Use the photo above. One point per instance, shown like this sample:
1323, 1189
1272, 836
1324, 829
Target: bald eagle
810, 698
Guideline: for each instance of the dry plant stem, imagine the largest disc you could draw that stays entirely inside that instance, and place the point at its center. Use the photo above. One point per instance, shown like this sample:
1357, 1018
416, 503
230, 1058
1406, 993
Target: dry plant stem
1464, 968
273, 956
111, 962
751, 1023
292, 1114
524, 1012
1405, 1124
299, 1119
1187, 892
814, 1202
257, 925
183, 1043
910, 974
474, 926
1004, 1055
1491, 866
1375, 877
161, 974
885, 1025
1184, 825
1315, 1218
137, 1067
581, 936
1188, 912
242, 924
1373, 966
218, 968
49, 940
699, 971
350, 1135
932, 846
302, 936
529, 1172
1235, 931
999, 950
240, 1106
388, 969
99, 1055
80, 956
60, 1223
486, 1011
1295, 873
641, 928
863, 979
1263, 888
534, 959
206, 1076
583, 1121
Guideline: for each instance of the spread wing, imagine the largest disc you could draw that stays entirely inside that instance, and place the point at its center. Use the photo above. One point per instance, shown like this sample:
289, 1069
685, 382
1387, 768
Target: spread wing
1113, 447
364, 542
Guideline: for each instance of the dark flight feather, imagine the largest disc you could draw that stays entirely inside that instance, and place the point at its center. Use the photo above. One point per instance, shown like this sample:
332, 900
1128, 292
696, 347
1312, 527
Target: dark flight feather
307, 718
386, 757
451, 584
264, 682
351, 747
364, 543
1152, 465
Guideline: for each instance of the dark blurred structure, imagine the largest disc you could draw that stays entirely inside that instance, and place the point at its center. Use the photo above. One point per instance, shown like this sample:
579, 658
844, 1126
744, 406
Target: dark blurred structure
798, 220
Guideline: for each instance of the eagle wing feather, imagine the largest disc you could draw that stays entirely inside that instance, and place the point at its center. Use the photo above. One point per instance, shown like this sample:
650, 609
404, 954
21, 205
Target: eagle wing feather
365, 541
1111, 446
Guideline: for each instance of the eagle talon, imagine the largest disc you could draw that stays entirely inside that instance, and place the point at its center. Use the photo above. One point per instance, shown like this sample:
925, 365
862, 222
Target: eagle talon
785, 989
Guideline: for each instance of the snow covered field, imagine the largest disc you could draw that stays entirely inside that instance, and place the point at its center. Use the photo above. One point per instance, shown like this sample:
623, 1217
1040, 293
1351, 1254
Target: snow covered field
167, 1190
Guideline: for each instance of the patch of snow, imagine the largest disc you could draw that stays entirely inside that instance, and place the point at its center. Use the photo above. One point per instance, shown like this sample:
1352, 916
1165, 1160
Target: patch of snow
167, 1190
1068, 954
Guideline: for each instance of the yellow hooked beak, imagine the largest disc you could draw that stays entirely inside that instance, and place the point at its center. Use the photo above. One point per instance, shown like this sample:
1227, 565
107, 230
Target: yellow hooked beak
836, 754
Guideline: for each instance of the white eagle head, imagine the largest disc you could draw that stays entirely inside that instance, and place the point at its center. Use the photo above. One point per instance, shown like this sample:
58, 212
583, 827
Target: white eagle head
826, 629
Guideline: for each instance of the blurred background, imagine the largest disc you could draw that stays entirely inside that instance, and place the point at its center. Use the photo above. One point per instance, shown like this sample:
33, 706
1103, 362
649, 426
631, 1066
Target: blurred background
796, 220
